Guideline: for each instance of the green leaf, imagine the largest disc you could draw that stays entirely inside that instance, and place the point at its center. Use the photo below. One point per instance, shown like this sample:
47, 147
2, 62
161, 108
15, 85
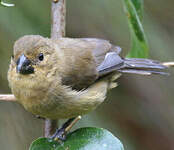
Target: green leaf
139, 6
6, 4
81, 139
139, 45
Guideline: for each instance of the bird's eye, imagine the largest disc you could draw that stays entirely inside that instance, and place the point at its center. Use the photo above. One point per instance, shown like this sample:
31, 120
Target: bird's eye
41, 56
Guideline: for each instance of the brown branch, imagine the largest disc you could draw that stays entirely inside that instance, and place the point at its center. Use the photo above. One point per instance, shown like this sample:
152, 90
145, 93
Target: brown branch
58, 13
7, 97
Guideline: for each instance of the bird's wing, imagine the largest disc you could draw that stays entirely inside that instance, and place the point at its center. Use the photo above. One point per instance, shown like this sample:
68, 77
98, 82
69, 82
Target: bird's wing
106, 55
86, 60
101, 48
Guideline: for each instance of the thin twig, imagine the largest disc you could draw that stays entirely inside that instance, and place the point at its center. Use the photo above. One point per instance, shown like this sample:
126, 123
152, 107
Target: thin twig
58, 13
72, 124
7, 97
168, 64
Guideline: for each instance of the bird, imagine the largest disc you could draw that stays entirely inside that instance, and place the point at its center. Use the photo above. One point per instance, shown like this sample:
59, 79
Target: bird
67, 77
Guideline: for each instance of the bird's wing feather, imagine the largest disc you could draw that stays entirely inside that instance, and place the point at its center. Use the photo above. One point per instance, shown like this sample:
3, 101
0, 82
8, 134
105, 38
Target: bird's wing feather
101, 48
86, 58
111, 63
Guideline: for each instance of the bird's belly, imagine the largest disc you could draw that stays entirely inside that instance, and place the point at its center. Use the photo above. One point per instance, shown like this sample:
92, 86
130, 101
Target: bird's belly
66, 109
62, 102
55, 104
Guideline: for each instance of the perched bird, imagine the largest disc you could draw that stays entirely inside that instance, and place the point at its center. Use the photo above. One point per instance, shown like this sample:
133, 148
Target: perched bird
68, 77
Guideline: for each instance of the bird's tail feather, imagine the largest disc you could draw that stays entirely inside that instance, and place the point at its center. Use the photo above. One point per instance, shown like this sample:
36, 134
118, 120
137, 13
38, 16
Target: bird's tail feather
143, 67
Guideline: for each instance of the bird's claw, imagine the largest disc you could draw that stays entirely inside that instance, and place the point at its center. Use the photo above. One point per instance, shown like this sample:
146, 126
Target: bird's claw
59, 135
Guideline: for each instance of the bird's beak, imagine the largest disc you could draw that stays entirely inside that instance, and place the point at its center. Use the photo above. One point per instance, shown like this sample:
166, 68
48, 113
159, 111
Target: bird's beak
24, 65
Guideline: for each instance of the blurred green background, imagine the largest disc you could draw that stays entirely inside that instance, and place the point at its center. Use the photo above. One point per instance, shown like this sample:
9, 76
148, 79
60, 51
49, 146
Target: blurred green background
139, 112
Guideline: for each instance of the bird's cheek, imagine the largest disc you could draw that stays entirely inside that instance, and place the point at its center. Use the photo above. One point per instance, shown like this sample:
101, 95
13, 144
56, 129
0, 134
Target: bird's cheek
38, 72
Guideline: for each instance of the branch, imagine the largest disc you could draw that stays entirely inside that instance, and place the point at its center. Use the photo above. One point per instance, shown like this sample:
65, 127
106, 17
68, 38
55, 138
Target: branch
58, 13
7, 97
168, 64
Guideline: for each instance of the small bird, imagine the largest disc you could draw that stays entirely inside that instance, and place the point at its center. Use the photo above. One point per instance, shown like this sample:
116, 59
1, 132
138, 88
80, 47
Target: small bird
68, 77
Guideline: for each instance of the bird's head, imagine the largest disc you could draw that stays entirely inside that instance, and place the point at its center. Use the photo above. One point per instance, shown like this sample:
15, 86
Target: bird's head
34, 62
33, 69
33, 54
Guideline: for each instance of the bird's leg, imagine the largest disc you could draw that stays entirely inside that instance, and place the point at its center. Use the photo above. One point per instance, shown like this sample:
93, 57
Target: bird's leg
60, 133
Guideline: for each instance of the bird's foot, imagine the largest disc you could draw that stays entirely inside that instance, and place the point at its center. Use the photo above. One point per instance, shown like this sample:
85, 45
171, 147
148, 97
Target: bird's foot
60, 134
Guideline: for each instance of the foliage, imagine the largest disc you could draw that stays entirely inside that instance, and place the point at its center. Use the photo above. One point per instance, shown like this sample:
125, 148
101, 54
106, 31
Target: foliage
81, 139
5, 4
134, 12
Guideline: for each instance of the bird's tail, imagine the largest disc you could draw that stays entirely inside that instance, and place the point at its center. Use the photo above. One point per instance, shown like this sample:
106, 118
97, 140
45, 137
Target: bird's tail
144, 66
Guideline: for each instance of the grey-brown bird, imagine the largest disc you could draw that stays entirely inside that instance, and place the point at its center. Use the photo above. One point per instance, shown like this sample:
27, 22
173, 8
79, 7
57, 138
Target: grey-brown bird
68, 77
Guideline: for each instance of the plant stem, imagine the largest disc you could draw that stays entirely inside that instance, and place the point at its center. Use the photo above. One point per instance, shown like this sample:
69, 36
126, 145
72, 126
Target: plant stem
58, 14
